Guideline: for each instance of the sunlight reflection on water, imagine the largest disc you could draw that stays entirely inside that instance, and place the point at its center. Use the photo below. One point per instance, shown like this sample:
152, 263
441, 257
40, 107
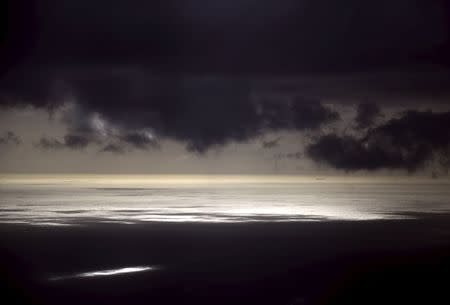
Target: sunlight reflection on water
73, 202
110, 272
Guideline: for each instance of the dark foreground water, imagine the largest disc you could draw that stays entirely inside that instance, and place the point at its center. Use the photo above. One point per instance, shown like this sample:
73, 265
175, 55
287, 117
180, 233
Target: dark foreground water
223, 240
394, 261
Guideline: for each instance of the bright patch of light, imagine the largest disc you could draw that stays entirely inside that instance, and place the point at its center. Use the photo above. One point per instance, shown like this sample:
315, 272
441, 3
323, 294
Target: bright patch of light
98, 124
148, 134
212, 199
114, 271
110, 272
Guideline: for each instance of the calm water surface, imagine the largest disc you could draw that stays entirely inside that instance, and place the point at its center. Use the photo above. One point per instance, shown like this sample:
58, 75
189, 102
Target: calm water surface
71, 200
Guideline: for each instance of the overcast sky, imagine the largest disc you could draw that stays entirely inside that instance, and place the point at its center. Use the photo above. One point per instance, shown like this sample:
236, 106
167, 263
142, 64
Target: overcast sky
245, 86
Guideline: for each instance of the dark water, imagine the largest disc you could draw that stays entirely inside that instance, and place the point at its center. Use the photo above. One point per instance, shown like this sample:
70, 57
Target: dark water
372, 262
221, 243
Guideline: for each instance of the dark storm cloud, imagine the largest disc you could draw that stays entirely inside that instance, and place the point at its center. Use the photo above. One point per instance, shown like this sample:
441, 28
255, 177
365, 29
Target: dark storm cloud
140, 140
9, 137
310, 114
49, 144
113, 148
76, 141
143, 140
201, 112
366, 114
407, 142
134, 66
269, 144
121, 142
71, 141
297, 114
230, 37
250, 37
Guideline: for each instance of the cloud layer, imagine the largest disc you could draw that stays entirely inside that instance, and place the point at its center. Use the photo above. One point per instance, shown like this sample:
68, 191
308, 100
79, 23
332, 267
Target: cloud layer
129, 75
407, 142
231, 38
9, 137
138, 108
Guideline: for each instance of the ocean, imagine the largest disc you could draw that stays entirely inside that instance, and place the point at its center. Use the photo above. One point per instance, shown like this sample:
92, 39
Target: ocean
90, 239
76, 199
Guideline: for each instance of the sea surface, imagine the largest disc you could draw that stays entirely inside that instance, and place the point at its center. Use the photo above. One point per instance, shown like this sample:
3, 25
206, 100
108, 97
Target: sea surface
79, 199
281, 240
